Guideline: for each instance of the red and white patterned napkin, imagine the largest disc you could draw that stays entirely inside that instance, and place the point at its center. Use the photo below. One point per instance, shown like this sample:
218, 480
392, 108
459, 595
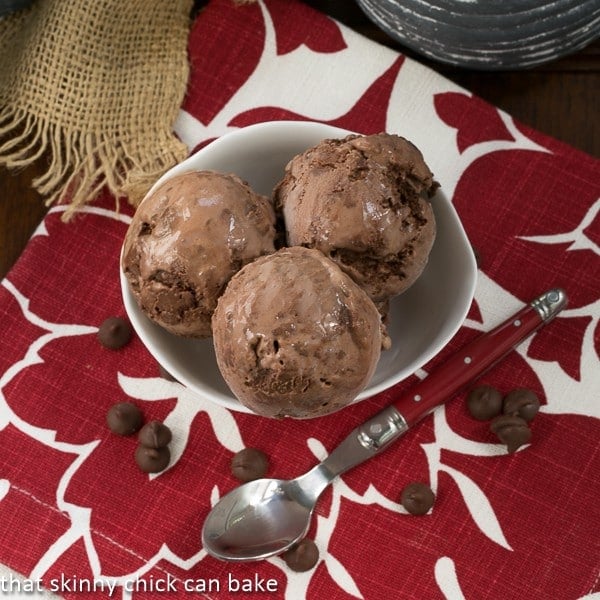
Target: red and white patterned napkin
75, 511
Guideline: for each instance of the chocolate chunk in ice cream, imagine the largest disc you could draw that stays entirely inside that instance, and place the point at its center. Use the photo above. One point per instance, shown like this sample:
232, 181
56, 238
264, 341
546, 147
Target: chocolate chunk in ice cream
124, 418
364, 202
114, 333
417, 498
484, 402
152, 460
302, 557
249, 464
295, 336
511, 430
185, 241
155, 435
521, 402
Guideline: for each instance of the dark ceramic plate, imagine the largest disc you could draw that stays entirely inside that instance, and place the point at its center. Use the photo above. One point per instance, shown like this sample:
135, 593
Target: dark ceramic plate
488, 34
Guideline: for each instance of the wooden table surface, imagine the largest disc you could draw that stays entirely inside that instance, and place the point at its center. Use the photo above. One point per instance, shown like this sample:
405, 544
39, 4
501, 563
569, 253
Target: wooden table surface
559, 99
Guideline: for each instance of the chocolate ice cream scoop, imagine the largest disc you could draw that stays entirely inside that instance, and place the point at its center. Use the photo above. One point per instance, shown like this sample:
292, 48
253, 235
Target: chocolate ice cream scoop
295, 336
363, 202
185, 242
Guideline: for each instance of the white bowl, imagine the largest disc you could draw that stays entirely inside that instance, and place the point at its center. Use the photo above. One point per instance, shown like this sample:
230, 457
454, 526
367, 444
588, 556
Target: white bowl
423, 319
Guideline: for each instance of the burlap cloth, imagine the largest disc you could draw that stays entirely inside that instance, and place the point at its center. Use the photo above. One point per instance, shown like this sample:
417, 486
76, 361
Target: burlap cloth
94, 88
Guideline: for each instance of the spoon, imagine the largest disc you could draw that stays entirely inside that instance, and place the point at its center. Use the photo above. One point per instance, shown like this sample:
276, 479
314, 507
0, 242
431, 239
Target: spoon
266, 517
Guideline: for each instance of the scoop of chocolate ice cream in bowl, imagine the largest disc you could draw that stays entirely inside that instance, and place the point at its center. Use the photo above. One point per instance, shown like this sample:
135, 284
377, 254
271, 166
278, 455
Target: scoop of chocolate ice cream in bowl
290, 269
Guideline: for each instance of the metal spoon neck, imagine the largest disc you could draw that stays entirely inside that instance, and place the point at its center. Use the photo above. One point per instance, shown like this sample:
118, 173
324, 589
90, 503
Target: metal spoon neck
313, 484
359, 446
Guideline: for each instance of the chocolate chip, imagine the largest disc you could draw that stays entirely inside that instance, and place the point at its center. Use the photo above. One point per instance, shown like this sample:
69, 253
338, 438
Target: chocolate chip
114, 333
154, 435
511, 430
484, 402
124, 418
152, 460
302, 557
521, 402
249, 464
417, 498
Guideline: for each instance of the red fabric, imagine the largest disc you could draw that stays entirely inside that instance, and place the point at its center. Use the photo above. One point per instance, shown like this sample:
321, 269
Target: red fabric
73, 504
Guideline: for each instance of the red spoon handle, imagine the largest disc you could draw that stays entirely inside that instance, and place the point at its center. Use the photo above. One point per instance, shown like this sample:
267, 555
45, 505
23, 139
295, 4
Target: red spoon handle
477, 357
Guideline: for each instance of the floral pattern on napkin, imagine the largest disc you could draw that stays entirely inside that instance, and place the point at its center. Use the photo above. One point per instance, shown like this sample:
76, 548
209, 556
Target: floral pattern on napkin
74, 508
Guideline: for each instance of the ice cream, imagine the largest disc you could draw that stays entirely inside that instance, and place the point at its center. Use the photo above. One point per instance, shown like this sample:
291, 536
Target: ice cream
185, 242
363, 202
295, 336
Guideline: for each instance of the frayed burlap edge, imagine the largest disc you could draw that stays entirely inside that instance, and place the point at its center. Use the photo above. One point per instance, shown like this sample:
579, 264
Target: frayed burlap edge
81, 163
78, 164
